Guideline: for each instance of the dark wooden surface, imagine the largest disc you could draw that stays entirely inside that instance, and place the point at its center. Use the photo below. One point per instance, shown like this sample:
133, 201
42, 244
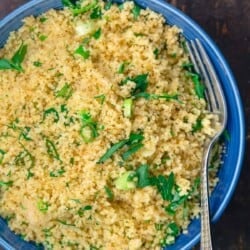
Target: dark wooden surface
228, 23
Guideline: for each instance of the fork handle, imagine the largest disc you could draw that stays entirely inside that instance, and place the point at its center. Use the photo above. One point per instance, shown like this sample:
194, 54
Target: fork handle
206, 239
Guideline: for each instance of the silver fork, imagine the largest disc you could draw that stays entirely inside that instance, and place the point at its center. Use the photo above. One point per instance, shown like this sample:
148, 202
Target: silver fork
216, 104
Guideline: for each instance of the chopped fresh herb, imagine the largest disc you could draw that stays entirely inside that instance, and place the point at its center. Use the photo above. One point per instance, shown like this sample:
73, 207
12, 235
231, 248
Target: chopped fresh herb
82, 51
89, 129
133, 149
53, 112
134, 139
13, 124
144, 178
37, 64
156, 53
72, 160
139, 34
96, 13
173, 229
43, 19
51, 149
165, 186
16, 61
24, 157
65, 223
97, 33
43, 206
29, 173
77, 8
136, 10
120, 6
47, 232
57, 173
141, 82
195, 187
127, 107
182, 42
6, 184
197, 126
173, 55
101, 98
65, 92
112, 150
158, 226
172, 207
108, 5
2, 153
82, 210
42, 37
109, 193
126, 181
122, 67
24, 134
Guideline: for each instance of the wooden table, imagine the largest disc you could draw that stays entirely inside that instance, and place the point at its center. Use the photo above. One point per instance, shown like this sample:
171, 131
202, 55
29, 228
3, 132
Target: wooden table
228, 23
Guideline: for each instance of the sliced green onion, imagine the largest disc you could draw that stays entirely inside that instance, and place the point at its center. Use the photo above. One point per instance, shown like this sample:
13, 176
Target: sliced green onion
127, 107
125, 181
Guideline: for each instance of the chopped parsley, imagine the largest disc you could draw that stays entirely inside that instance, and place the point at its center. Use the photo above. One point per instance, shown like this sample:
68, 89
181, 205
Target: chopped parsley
53, 112
82, 210
197, 126
6, 184
136, 10
15, 62
25, 157
24, 134
43, 19
37, 64
65, 92
42, 37
57, 173
2, 153
121, 68
96, 13
156, 53
107, 5
82, 51
97, 34
65, 223
164, 96
51, 149
101, 98
134, 143
109, 193
76, 7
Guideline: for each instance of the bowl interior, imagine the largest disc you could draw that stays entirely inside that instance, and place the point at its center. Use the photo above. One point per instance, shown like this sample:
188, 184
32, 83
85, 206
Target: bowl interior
232, 159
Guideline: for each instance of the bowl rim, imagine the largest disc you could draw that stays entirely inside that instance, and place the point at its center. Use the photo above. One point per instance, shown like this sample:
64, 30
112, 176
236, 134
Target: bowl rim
205, 37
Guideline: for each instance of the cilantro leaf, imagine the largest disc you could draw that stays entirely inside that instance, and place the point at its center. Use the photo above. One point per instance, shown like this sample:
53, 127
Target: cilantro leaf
144, 178
97, 34
2, 153
136, 11
5, 64
6, 184
133, 149
82, 51
65, 92
82, 210
51, 111
96, 13
197, 126
109, 193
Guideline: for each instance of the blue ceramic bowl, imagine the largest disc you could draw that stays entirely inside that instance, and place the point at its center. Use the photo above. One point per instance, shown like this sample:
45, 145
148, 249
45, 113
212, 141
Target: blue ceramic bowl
233, 157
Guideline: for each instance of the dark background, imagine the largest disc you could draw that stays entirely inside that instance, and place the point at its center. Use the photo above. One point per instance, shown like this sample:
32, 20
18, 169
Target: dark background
228, 23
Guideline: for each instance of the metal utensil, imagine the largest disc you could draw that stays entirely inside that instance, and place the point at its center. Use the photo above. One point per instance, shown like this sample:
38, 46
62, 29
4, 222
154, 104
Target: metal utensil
216, 104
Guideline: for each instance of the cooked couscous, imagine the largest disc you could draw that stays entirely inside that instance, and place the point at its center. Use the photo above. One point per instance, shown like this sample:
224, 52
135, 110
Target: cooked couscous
102, 125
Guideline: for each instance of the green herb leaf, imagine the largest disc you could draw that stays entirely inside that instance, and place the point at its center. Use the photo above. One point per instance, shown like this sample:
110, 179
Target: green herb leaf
165, 186
2, 153
37, 64
112, 150
173, 229
51, 111
65, 223
43, 19
101, 97
43, 206
141, 82
42, 37
6, 64
108, 5
82, 210
197, 126
109, 193
97, 33
57, 173
136, 11
51, 149
122, 67
96, 13
25, 157
144, 178
24, 134
172, 207
65, 92
82, 51
29, 173
6, 184
16, 60
76, 10
68, 3
133, 149
156, 53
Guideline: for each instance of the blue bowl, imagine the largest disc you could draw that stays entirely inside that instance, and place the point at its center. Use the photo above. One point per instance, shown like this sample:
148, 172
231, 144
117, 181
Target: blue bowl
230, 170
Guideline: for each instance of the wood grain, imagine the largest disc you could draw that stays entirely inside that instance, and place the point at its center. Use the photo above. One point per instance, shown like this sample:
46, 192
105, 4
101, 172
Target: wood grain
228, 23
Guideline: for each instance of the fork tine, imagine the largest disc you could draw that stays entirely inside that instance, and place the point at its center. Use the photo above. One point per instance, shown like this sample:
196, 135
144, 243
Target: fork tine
213, 76
203, 72
191, 55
